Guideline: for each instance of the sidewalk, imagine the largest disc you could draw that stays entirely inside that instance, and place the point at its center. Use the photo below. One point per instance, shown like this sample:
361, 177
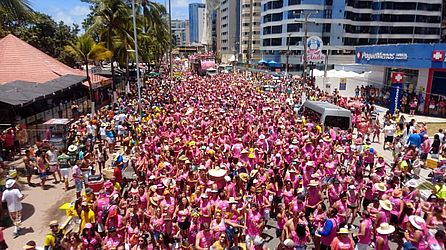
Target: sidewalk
428, 119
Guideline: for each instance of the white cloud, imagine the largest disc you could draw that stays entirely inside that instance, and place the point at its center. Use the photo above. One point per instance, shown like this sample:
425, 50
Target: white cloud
82, 11
61, 15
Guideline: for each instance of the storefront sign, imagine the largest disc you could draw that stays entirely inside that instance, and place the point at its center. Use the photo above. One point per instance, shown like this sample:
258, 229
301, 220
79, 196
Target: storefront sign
408, 56
380, 56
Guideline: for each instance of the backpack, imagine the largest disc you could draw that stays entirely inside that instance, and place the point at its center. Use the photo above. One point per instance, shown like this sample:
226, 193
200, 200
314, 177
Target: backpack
104, 215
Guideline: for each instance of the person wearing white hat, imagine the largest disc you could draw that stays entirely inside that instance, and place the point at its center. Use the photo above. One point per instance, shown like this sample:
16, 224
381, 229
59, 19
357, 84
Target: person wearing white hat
415, 233
381, 240
13, 198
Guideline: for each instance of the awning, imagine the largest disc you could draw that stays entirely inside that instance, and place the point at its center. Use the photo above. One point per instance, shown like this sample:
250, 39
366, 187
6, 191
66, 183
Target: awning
19, 93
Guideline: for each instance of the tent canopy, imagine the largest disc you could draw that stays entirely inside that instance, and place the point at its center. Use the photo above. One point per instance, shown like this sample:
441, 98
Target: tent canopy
262, 61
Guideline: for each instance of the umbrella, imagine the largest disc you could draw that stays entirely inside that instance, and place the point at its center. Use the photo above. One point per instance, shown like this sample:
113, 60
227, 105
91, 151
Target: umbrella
262, 61
272, 62
154, 74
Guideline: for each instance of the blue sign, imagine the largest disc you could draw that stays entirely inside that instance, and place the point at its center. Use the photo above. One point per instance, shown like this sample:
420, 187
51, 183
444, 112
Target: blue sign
416, 56
396, 93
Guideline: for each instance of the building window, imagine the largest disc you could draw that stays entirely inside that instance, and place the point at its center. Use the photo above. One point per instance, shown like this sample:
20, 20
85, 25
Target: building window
294, 2
276, 29
294, 27
276, 41
267, 30
266, 42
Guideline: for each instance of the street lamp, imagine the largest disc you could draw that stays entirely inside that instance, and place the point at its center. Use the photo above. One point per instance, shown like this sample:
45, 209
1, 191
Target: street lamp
135, 38
306, 15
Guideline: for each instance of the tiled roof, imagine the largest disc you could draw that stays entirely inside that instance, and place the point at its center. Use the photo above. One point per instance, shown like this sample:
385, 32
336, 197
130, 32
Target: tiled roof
20, 61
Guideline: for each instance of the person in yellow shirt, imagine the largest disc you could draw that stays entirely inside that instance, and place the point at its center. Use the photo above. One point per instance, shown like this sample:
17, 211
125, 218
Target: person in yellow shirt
53, 240
221, 243
86, 215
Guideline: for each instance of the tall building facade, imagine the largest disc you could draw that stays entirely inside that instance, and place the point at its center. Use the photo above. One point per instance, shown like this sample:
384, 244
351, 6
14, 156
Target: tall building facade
229, 29
250, 13
196, 21
187, 31
179, 32
343, 24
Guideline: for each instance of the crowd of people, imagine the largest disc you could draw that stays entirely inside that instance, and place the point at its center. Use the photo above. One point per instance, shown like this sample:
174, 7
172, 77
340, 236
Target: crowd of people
218, 163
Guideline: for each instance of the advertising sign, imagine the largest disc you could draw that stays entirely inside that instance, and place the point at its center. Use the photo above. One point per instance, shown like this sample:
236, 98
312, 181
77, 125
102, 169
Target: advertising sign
396, 91
343, 84
314, 50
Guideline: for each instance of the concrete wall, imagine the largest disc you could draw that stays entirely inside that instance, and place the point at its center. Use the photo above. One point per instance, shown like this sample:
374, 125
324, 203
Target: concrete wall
333, 83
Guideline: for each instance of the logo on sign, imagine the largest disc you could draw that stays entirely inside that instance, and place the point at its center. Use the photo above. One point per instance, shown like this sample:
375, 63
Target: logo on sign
381, 56
314, 50
397, 77
438, 56
314, 45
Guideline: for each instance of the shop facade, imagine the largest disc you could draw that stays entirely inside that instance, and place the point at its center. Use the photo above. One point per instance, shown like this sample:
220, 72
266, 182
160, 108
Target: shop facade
407, 74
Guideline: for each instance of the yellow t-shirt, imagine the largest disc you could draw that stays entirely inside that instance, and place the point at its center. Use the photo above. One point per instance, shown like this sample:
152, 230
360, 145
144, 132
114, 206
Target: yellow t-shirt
441, 191
87, 217
50, 239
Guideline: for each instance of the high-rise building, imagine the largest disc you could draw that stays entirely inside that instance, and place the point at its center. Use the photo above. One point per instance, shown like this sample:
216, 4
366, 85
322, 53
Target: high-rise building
179, 32
217, 29
343, 24
196, 21
250, 30
187, 31
229, 29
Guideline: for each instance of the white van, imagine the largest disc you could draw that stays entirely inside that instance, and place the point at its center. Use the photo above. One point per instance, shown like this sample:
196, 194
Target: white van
328, 114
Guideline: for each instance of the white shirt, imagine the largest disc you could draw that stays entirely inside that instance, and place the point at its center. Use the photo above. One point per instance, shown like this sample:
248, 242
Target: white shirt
52, 156
389, 130
13, 197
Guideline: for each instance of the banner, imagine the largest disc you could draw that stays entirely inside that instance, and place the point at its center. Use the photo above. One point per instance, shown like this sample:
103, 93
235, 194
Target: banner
396, 92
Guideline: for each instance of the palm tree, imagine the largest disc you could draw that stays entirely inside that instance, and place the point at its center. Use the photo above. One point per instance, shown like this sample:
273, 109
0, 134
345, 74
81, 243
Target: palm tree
18, 8
109, 22
85, 50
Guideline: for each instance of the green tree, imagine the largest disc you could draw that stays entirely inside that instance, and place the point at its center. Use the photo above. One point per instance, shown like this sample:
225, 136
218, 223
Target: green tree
85, 49
110, 21
18, 8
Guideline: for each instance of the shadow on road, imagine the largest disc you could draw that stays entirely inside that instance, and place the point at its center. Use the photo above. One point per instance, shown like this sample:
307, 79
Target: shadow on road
26, 230
27, 211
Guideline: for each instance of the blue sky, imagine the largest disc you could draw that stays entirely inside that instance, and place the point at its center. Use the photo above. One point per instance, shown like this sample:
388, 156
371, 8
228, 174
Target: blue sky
74, 11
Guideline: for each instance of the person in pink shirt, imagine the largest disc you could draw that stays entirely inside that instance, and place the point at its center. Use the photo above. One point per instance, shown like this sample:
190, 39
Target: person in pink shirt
254, 224
112, 240
204, 238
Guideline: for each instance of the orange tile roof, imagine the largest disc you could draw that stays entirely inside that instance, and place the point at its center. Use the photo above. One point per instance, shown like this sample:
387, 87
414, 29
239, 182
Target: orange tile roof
21, 61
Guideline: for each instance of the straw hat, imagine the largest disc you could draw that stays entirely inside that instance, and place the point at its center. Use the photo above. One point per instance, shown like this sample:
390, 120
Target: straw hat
309, 164
232, 200
313, 183
9, 183
397, 193
243, 177
386, 205
30, 245
380, 186
253, 173
412, 183
340, 150
343, 230
417, 222
53, 223
326, 138
72, 148
217, 172
288, 243
385, 228
244, 151
169, 182
315, 175
295, 141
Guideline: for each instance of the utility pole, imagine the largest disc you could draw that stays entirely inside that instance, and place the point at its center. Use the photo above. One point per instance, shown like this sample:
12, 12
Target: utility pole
305, 48
138, 80
170, 39
305, 44
287, 66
